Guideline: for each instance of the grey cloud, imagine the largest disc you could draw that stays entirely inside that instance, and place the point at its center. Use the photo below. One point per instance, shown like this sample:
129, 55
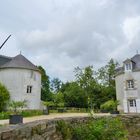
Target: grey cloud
61, 35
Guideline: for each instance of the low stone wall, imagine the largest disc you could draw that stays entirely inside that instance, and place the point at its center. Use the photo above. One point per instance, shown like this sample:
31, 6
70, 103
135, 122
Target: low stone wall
37, 130
46, 129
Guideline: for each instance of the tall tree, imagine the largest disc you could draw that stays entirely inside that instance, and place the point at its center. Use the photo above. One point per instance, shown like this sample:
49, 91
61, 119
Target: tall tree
56, 85
106, 76
45, 83
85, 78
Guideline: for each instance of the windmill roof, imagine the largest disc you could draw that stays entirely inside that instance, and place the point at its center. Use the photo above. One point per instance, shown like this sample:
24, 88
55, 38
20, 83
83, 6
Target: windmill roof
18, 61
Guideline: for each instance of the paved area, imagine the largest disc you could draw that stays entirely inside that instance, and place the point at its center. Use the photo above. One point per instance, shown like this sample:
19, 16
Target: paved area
52, 116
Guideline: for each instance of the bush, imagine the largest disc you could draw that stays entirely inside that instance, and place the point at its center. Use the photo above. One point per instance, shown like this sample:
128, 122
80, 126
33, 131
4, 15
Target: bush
110, 105
17, 106
99, 129
29, 113
4, 97
4, 115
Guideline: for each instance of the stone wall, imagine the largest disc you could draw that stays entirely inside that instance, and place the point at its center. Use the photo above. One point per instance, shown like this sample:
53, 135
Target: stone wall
37, 130
46, 129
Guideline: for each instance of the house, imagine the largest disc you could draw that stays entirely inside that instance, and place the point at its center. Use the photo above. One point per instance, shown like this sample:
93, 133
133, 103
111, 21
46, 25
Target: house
128, 85
22, 79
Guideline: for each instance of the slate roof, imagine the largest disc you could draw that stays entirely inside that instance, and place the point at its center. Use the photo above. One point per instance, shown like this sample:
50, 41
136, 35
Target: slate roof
18, 61
136, 64
4, 59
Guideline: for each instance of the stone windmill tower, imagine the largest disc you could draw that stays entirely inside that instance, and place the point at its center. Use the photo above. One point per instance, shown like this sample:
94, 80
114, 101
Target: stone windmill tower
22, 78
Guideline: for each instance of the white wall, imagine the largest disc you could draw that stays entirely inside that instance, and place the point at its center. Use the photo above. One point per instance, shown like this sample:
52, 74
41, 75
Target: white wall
119, 80
16, 81
123, 94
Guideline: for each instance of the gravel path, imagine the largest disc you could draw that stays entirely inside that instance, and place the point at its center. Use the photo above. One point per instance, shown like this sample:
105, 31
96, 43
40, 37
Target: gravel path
52, 116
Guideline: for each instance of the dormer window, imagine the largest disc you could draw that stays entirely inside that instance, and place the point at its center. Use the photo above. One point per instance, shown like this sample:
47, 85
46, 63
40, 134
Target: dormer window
128, 66
130, 84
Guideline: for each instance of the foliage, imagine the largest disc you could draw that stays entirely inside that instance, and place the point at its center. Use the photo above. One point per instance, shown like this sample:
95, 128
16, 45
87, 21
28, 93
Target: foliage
4, 97
48, 103
45, 83
90, 88
110, 105
56, 85
24, 113
65, 130
29, 113
106, 76
74, 96
98, 129
17, 105
58, 99
4, 115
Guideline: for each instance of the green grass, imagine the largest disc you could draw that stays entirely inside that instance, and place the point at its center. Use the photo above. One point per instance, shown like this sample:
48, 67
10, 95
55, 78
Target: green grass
25, 113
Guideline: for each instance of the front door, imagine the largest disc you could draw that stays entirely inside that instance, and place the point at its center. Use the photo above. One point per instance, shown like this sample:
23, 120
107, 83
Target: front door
132, 107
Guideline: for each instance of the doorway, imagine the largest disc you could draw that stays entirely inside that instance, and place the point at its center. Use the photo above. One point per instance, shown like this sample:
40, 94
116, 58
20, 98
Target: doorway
132, 107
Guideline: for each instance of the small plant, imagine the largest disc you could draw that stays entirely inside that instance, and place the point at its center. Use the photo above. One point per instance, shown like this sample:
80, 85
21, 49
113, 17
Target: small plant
17, 106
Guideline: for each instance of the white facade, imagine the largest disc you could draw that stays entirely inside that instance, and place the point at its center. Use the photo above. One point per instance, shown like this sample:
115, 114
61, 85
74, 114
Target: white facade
17, 80
128, 88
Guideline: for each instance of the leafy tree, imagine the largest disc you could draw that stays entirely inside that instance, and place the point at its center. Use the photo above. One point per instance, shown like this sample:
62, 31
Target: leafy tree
74, 96
56, 85
106, 76
58, 99
4, 97
45, 83
85, 78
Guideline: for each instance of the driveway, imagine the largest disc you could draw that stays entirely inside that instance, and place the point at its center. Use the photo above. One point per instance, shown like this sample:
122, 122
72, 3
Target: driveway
52, 116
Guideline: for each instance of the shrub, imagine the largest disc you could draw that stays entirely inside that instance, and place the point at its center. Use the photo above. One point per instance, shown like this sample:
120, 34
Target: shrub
16, 106
110, 105
98, 129
4, 115
65, 130
29, 113
24, 113
4, 97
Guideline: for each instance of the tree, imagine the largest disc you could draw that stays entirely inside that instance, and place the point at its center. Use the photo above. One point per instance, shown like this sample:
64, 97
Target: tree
74, 96
58, 99
106, 76
85, 79
4, 97
56, 85
45, 83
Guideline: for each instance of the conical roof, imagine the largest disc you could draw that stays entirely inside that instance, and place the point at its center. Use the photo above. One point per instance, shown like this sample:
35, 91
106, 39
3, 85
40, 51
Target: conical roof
19, 61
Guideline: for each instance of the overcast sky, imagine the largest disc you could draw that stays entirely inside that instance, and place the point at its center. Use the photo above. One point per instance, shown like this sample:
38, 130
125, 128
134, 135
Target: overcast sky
63, 34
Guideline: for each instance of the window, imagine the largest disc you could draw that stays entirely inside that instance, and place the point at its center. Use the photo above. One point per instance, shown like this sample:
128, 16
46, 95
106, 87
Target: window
29, 89
130, 84
132, 103
128, 66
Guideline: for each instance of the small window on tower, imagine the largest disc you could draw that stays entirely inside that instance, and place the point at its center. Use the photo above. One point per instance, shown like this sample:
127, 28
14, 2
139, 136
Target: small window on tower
29, 89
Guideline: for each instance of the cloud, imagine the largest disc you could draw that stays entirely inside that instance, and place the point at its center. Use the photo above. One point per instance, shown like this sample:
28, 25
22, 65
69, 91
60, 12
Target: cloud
60, 35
